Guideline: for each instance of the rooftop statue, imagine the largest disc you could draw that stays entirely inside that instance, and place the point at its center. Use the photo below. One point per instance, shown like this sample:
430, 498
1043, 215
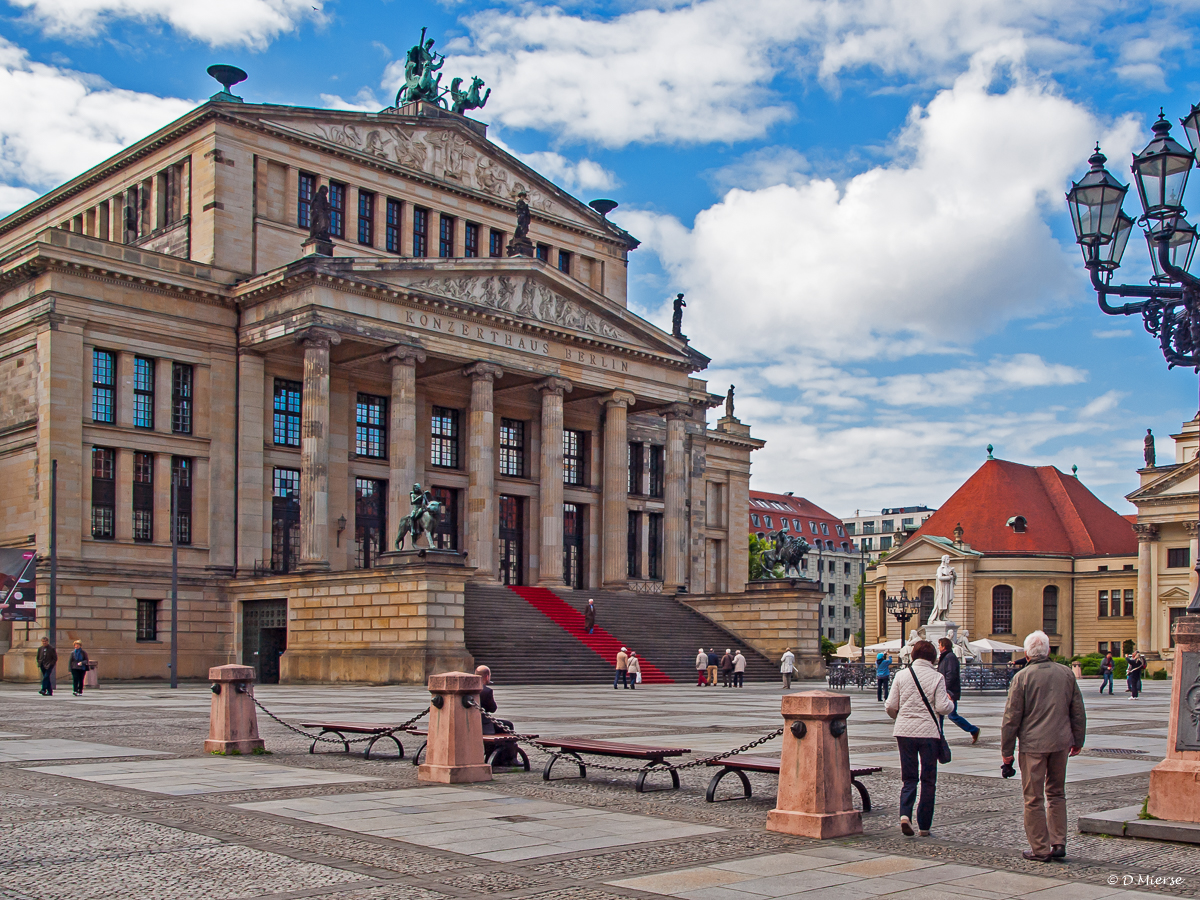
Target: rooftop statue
521, 245
318, 218
729, 403
468, 99
677, 318
423, 81
1148, 449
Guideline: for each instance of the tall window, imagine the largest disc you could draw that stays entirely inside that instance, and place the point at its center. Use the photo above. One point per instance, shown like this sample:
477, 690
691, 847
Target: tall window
573, 545
1050, 609
366, 218
573, 459
307, 190
181, 477
564, 261
1102, 605
370, 426
656, 473
287, 413
495, 243
446, 237
104, 386
1002, 609
370, 505
420, 232
104, 493
636, 458
542, 252
471, 240
147, 620
285, 520
337, 209
1128, 602
654, 529
392, 227
143, 392
445, 533
181, 398
633, 545
512, 448
926, 597
512, 529
443, 438
143, 496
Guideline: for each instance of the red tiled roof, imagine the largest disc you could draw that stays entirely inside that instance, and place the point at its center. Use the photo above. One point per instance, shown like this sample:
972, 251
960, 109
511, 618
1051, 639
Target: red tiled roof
796, 508
1063, 517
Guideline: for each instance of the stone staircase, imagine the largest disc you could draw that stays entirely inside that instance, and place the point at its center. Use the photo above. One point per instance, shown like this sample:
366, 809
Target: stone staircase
538, 638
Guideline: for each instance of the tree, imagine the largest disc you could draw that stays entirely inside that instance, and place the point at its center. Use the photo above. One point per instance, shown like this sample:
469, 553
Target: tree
828, 648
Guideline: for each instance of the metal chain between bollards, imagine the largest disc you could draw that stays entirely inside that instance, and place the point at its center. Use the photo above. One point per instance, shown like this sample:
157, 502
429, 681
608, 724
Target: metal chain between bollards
324, 740
530, 740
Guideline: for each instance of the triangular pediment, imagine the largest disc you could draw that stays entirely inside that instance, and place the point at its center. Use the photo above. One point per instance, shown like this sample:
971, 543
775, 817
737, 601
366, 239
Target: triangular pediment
1180, 480
925, 547
1174, 593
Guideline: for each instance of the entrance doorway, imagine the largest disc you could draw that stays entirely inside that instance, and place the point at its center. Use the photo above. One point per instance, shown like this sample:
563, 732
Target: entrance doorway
264, 637
573, 545
925, 595
512, 540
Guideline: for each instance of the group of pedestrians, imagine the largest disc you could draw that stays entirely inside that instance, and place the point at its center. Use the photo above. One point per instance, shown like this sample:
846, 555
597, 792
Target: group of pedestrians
731, 667
47, 663
629, 670
1136, 666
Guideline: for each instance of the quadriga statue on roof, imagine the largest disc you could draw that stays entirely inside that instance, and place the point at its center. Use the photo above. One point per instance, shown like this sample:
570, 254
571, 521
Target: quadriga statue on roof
468, 99
423, 81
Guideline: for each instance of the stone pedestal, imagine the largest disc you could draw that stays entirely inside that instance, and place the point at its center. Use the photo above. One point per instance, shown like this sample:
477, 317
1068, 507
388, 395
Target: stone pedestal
232, 721
814, 773
454, 753
1175, 782
317, 247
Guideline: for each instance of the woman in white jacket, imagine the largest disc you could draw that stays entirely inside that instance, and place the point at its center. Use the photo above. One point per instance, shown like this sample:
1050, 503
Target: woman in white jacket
918, 733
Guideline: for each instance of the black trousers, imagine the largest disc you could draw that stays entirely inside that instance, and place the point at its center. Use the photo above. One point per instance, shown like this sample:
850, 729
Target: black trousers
1135, 684
727, 677
739, 679
881, 687
46, 684
922, 751
77, 680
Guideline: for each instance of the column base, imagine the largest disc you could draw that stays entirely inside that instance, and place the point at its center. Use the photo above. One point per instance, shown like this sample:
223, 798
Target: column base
313, 567
821, 826
248, 746
554, 584
454, 774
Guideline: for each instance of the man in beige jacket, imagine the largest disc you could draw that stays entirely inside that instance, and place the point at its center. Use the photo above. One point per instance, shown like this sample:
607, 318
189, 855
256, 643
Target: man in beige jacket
622, 673
1045, 713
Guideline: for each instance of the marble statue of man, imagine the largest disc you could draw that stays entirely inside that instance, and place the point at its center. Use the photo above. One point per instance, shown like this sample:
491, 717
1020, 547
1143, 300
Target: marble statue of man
943, 592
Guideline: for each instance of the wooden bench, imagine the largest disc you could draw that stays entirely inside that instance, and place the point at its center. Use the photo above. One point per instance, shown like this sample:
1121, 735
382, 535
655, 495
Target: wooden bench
341, 729
572, 747
492, 745
739, 765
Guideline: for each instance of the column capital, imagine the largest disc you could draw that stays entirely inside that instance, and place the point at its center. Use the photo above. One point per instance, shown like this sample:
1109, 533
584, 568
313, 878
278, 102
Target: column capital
322, 338
622, 399
555, 385
404, 353
482, 371
1146, 532
1191, 528
677, 411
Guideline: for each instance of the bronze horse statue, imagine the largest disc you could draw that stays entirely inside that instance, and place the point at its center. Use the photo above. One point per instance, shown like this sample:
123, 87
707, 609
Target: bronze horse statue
424, 516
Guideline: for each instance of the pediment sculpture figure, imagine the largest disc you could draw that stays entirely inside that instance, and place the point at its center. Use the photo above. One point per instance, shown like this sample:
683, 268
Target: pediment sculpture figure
521, 245
943, 591
677, 317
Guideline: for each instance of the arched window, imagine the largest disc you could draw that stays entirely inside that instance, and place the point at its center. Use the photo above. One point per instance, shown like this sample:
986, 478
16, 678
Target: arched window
767, 521
926, 597
1050, 609
761, 536
1002, 609
783, 524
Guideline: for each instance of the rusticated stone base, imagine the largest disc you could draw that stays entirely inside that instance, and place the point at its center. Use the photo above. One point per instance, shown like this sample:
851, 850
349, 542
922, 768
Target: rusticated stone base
821, 826
369, 665
1175, 790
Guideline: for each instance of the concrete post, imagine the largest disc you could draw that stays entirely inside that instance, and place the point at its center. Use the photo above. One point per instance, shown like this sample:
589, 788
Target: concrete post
454, 752
232, 721
402, 431
1147, 536
314, 451
481, 471
1175, 782
550, 483
674, 493
615, 488
814, 772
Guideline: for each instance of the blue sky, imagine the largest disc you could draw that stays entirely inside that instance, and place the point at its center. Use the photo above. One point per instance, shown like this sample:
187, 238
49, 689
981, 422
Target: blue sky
862, 199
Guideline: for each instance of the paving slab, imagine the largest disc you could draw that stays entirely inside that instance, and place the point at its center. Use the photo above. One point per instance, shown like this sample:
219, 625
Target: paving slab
180, 777
56, 748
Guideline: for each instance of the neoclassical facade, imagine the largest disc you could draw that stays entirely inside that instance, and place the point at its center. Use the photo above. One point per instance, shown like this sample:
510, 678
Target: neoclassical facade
161, 327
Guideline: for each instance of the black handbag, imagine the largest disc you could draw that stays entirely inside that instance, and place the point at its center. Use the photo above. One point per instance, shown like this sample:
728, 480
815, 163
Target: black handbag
944, 748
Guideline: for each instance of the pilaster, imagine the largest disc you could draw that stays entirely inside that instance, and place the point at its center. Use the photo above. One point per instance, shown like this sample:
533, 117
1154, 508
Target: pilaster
674, 493
162, 498
124, 389
215, 480
123, 491
402, 430
615, 488
62, 373
481, 470
162, 396
249, 475
314, 451
550, 488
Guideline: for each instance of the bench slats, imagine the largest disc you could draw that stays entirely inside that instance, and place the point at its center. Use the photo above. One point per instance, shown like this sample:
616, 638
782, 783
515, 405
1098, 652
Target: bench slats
612, 748
349, 727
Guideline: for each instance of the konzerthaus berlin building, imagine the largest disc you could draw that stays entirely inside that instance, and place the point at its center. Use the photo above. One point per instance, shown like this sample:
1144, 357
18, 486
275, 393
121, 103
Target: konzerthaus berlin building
161, 321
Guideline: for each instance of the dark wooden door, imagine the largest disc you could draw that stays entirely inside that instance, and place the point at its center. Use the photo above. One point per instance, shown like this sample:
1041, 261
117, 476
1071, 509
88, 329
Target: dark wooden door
512, 540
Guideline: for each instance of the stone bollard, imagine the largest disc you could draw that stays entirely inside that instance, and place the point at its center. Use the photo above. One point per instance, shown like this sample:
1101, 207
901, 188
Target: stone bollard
233, 722
1175, 782
454, 751
814, 773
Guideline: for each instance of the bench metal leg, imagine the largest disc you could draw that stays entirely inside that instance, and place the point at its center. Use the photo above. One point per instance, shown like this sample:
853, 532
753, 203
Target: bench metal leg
396, 740
554, 757
523, 757
640, 787
420, 752
862, 793
716, 779
325, 731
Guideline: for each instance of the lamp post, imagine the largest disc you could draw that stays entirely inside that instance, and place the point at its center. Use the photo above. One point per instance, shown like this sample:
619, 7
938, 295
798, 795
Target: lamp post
902, 609
1170, 304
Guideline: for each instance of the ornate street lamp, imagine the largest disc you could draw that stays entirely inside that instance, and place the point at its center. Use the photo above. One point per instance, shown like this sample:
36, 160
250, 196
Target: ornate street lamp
1170, 304
902, 609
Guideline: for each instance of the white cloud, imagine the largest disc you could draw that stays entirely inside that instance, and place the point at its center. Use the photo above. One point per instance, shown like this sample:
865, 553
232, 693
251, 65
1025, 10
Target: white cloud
56, 123
762, 168
249, 23
575, 176
13, 198
1110, 333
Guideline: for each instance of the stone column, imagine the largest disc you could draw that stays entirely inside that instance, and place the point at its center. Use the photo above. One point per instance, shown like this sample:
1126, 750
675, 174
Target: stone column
1147, 536
550, 483
615, 488
481, 470
402, 430
252, 493
674, 493
314, 451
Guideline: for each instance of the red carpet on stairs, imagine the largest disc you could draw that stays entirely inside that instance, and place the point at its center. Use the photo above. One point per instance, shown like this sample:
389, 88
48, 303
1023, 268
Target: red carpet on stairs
599, 641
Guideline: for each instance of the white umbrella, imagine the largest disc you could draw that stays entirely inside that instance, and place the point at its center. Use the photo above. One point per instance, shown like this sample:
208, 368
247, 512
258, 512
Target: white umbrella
886, 647
987, 645
849, 650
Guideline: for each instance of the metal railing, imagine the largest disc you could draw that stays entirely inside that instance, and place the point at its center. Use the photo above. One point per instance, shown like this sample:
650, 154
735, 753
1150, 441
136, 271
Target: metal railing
987, 677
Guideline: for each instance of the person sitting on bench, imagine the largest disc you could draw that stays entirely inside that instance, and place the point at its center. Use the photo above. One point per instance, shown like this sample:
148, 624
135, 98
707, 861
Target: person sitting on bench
507, 756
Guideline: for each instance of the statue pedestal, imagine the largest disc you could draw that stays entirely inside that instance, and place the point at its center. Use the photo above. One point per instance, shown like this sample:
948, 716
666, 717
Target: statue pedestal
938, 630
317, 247
522, 246
1175, 782
421, 556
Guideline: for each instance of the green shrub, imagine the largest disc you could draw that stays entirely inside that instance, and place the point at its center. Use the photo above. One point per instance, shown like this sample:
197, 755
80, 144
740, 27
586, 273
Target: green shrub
1158, 675
1120, 666
1060, 659
1090, 670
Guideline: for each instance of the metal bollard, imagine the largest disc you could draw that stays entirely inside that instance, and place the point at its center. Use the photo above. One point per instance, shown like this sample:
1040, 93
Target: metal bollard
814, 772
233, 720
454, 751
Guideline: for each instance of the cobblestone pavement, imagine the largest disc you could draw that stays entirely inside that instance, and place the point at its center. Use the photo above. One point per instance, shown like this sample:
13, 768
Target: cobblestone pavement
110, 796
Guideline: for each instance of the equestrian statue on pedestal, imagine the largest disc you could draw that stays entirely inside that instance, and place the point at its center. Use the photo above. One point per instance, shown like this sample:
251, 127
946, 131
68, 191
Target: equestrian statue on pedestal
421, 520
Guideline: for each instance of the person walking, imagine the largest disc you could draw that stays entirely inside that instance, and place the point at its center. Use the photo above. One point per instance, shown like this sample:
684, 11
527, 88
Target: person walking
948, 666
712, 666
883, 674
787, 665
47, 659
701, 668
1046, 717
727, 668
1106, 674
1137, 665
622, 673
918, 696
78, 666
634, 667
739, 669
589, 617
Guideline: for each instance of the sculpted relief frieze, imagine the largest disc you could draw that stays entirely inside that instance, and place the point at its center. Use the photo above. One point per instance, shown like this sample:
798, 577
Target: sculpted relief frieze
520, 296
